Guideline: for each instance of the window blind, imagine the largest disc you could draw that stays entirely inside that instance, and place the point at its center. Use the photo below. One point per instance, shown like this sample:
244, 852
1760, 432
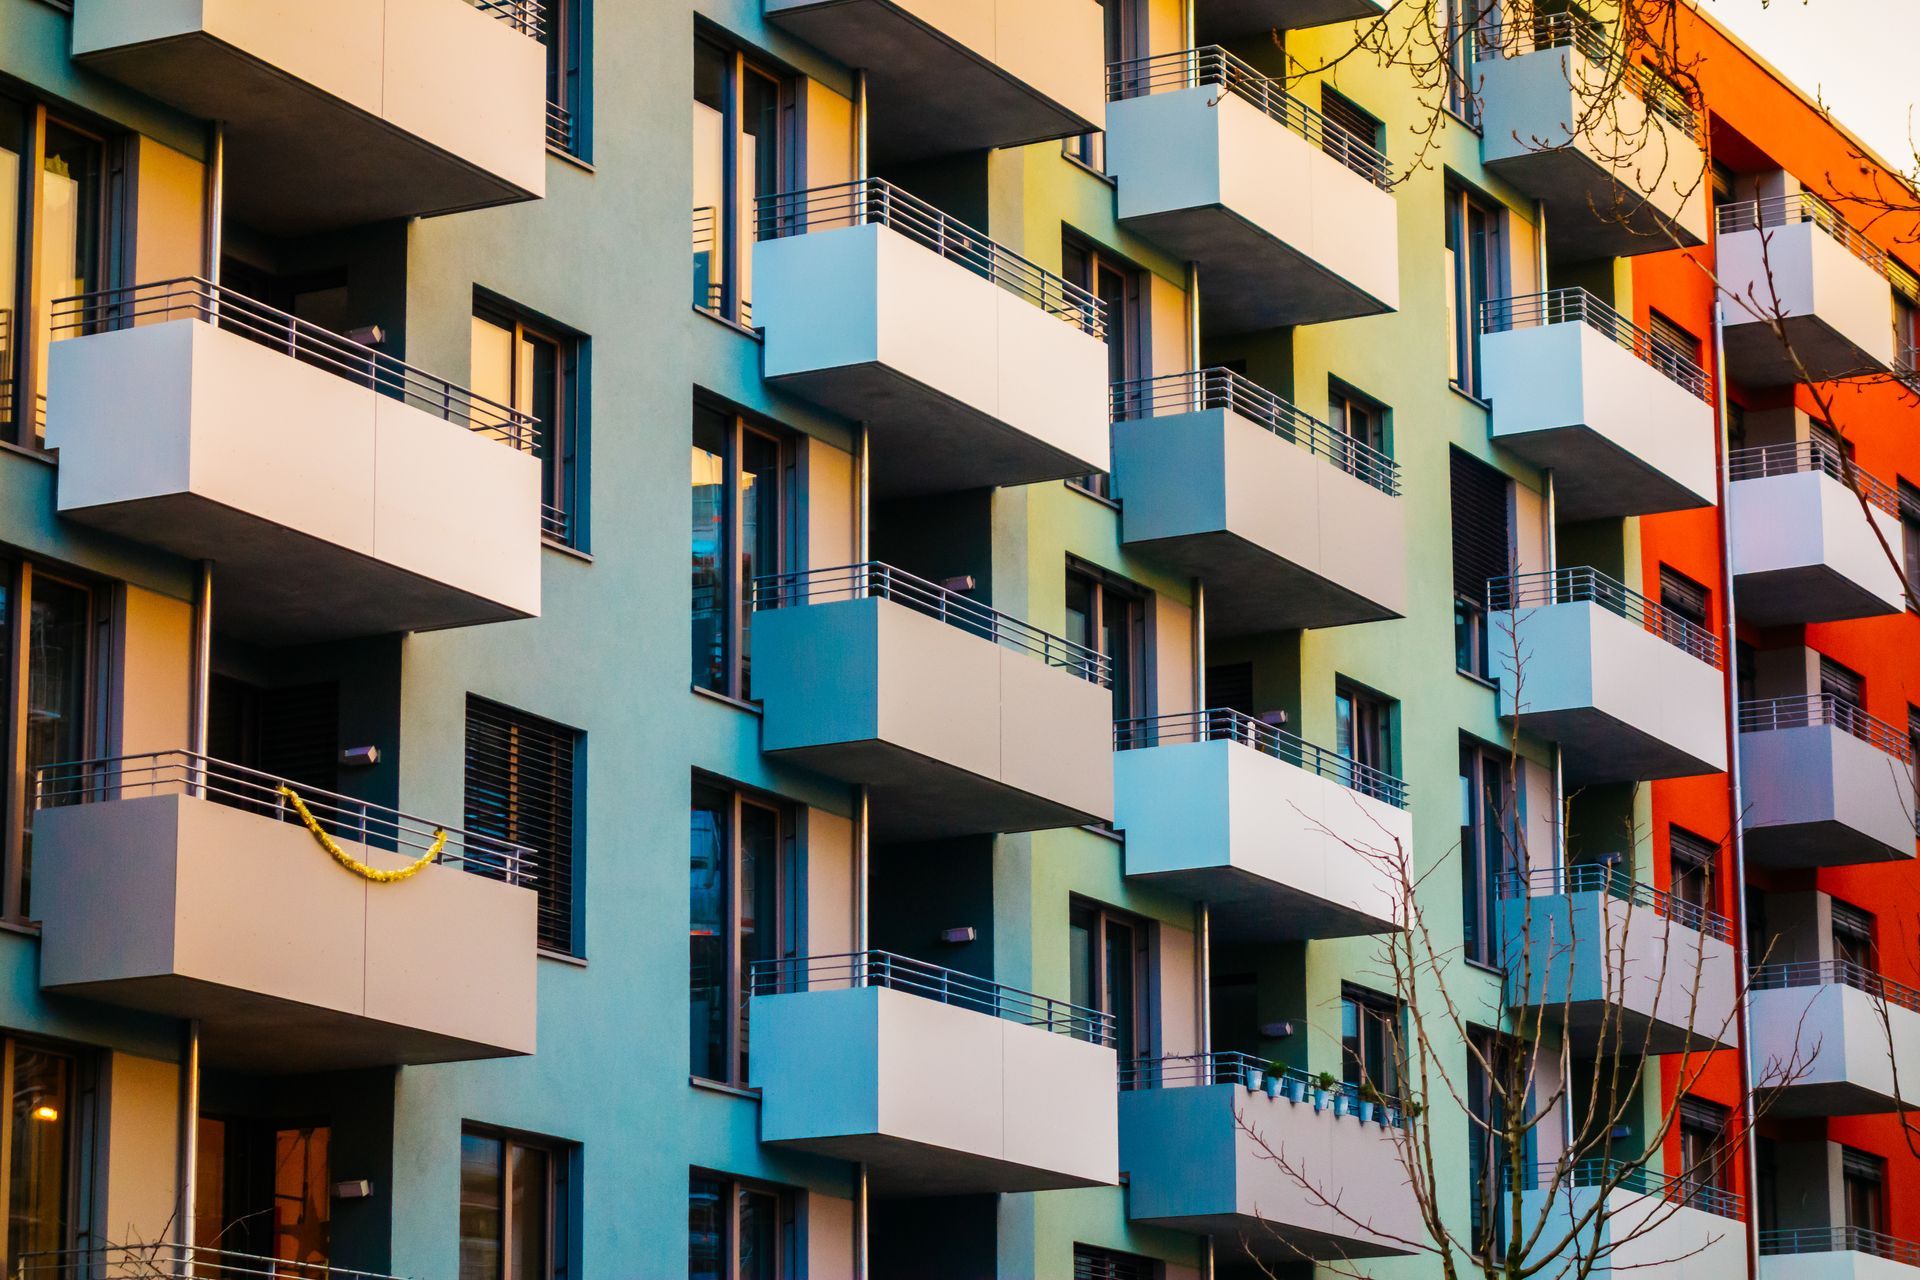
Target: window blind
1482, 539
520, 787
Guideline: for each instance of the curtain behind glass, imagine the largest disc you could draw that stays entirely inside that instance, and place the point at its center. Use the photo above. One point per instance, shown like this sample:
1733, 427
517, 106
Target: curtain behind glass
37, 1164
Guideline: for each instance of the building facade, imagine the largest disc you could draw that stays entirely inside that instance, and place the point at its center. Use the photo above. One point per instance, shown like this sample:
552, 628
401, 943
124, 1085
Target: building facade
1133, 507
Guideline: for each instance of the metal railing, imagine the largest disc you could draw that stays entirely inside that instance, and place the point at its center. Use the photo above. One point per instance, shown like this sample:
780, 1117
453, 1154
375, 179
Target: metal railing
1834, 973
556, 524
376, 826
1779, 1241
1804, 206
192, 298
932, 982
1577, 306
1175, 393
1195, 1070
1223, 724
1803, 710
1546, 882
560, 127
878, 202
1593, 41
529, 16
876, 581
173, 1262
1212, 65
1586, 585
1637, 1179
1792, 457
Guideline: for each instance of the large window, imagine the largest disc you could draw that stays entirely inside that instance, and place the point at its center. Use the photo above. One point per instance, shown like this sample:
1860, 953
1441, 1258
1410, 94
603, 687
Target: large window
1910, 539
1363, 733
742, 149
1092, 1262
1359, 417
1122, 291
1109, 969
1110, 617
521, 788
1704, 1146
516, 1206
1864, 1187
740, 1230
742, 902
1482, 550
1488, 844
743, 508
1476, 271
1851, 931
535, 367
1372, 1052
565, 36
40, 1157
1491, 1062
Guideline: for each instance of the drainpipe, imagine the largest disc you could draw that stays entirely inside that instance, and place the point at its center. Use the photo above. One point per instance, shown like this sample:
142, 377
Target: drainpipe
860, 160
200, 679
862, 555
212, 246
187, 1158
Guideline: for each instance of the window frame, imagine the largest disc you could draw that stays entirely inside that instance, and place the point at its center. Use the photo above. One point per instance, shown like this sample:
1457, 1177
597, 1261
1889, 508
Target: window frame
570, 903
561, 443
1128, 333
1688, 854
786, 915
1097, 918
790, 1264
1692, 1126
734, 227
1473, 638
736, 587
562, 1199
1481, 866
1343, 400
1461, 204
1376, 1007
1105, 591
567, 37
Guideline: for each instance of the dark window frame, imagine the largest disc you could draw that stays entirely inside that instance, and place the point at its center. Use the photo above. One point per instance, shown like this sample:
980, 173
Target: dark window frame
1098, 920
733, 227
1382, 1012
1467, 287
561, 443
1343, 398
562, 1199
788, 1263
568, 39
1106, 592
508, 740
736, 983
1475, 561
731, 661
1489, 843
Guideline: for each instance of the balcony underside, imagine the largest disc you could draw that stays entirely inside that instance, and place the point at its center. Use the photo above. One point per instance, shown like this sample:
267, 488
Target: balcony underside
1594, 477
1807, 593
1823, 844
1593, 1027
1593, 215
1278, 1243
1828, 1098
1756, 357
1599, 747
1217, 21
1246, 907
899, 1167
1250, 590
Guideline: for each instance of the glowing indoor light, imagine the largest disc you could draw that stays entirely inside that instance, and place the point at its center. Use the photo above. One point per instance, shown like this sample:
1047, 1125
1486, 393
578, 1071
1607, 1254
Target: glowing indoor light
45, 1112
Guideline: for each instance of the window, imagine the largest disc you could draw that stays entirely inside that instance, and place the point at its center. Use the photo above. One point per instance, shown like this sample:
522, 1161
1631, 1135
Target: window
40, 1157
516, 1206
1682, 598
1109, 966
1347, 123
1906, 333
742, 151
1910, 539
1121, 289
1843, 685
565, 36
1110, 617
535, 368
740, 1231
1690, 860
1703, 1143
1370, 1044
1476, 271
1492, 1061
1673, 335
742, 899
1852, 933
1363, 734
1359, 417
1482, 551
1231, 686
1864, 1188
1488, 843
743, 485
521, 788
1091, 1262
1458, 27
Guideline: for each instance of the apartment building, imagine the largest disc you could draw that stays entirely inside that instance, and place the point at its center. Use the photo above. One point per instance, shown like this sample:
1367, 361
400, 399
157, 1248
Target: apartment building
1114, 483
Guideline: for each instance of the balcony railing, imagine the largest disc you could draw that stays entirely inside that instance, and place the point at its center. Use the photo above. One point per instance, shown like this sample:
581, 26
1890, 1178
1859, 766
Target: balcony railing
560, 128
877, 581
1199, 1069
1805, 206
1795, 456
876, 201
1571, 306
1800, 711
1636, 1179
1784, 1241
1545, 882
1592, 41
529, 16
930, 982
1223, 724
1590, 586
1176, 393
192, 298
186, 773
174, 1262
1835, 973
1190, 68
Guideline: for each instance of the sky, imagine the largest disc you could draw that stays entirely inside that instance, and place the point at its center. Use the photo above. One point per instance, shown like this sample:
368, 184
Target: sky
1856, 56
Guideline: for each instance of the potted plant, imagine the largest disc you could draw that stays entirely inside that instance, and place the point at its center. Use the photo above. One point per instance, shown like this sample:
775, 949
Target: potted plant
1369, 1103
1251, 1075
1323, 1089
1296, 1086
1276, 1076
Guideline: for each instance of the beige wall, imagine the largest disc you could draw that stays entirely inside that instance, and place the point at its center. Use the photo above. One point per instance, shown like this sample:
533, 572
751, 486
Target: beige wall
1172, 657
829, 843
830, 503
170, 238
141, 1130
827, 119
1529, 530
829, 1235
156, 646
1167, 317
1179, 1020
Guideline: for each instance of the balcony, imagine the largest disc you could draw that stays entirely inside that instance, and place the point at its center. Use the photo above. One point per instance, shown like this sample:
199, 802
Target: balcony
1617, 963
963, 75
186, 886
1630, 690
162, 1260
1794, 259
340, 115
970, 365
1283, 840
1220, 21
962, 720
1620, 180
1291, 218
1199, 1137
1827, 785
1828, 1036
1622, 417
340, 492
1630, 1220
940, 1082
1199, 462
1836, 1253
1810, 532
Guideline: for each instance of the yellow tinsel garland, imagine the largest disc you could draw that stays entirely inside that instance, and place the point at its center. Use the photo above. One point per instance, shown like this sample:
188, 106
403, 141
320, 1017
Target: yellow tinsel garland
354, 864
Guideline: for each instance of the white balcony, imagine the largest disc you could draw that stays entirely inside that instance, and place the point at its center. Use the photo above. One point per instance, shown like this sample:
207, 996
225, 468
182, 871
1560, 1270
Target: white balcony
1795, 259
941, 1083
1626, 180
1805, 547
1620, 965
946, 76
1831, 1038
1290, 218
344, 113
1836, 1253
1220, 21
970, 365
338, 492
1827, 785
1198, 1146
1291, 523
962, 720
1649, 1225
1630, 691
187, 887
1622, 417
1283, 840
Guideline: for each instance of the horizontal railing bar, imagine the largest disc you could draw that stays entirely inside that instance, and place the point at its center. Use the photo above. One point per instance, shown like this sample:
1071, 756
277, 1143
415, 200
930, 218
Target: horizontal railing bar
1592, 40
1635, 1179
1546, 882
1770, 212
1791, 457
1223, 724
529, 16
1577, 306
1586, 585
1778, 1241
1813, 709
1193, 1070
165, 1261
1835, 973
